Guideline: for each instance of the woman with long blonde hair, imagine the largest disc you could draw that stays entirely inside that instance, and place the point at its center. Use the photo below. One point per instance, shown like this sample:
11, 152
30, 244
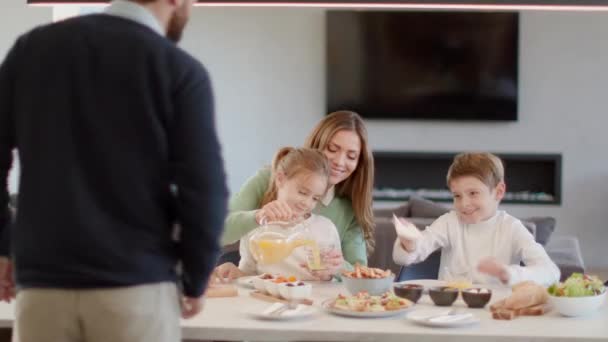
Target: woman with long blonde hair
342, 138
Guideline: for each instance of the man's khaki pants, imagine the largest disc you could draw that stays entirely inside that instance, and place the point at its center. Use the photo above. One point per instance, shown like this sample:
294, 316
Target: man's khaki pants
146, 313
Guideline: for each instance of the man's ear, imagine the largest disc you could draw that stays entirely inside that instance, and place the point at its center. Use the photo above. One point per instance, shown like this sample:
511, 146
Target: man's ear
500, 190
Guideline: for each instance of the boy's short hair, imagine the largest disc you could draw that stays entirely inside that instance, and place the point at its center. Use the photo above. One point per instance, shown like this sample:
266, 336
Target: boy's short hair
484, 166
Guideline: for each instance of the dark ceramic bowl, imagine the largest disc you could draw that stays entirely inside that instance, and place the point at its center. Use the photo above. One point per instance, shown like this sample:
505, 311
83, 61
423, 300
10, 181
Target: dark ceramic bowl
443, 295
476, 297
413, 292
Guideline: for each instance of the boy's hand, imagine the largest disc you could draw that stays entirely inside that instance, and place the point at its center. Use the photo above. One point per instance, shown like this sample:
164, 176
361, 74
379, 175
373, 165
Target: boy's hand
495, 268
407, 233
407, 244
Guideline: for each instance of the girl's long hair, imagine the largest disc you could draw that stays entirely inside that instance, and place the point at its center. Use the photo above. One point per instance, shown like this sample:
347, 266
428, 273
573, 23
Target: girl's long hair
291, 162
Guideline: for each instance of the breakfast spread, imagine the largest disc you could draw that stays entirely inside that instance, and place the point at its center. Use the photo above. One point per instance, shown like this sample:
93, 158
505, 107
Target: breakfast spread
527, 299
279, 288
364, 302
578, 285
367, 272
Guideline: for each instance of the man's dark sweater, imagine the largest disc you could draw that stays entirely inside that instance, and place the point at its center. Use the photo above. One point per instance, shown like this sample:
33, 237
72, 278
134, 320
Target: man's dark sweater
106, 115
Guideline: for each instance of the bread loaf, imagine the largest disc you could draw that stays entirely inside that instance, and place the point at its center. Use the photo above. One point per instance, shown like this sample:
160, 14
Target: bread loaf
525, 295
504, 314
527, 299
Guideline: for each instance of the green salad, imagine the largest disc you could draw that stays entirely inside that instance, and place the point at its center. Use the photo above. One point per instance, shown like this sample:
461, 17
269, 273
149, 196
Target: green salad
578, 285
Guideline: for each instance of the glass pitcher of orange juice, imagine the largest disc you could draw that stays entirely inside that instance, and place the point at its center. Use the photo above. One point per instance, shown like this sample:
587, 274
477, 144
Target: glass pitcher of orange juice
273, 242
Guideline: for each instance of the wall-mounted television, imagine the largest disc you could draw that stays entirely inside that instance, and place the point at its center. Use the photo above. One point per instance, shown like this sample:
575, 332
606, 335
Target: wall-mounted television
423, 65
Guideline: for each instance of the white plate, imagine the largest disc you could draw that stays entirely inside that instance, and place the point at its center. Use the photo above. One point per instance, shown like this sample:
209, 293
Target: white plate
246, 281
328, 306
422, 317
301, 311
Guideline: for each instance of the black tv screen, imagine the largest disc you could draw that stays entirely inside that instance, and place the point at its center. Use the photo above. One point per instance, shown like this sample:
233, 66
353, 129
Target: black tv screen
423, 65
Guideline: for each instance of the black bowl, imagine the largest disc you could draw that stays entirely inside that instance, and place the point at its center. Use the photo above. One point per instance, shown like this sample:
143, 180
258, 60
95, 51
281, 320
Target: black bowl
443, 295
413, 292
476, 297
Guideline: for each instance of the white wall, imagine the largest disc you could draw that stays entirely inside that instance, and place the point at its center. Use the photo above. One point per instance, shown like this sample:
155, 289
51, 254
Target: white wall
268, 71
267, 68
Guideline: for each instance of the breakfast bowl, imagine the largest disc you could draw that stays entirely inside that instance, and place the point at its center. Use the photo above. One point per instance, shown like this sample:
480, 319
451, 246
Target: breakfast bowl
296, 290
476, 297
259, 282
579, 295
272, 285
443, 295
412, 292
373, 286
577, 306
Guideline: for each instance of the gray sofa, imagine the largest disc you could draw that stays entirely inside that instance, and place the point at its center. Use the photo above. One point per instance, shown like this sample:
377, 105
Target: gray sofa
564, 251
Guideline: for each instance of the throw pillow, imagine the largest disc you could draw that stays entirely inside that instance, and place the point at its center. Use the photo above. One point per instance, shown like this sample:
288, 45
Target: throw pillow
401, 211
420, 207
544, 228
531, 227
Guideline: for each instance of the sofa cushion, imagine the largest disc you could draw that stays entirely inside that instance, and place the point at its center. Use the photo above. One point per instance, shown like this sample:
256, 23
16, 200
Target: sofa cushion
544, 228
401, 211
531, 227
385, 236
421, 222
420, 207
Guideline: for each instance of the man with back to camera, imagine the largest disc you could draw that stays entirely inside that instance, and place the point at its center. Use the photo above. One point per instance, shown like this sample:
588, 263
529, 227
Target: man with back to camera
107, 113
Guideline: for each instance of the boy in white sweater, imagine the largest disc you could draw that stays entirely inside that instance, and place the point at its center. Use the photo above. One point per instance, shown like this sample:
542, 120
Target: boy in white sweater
479, 242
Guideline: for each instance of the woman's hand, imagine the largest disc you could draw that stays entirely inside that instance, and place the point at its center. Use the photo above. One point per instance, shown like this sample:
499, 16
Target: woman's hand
224, 273
491, 266
275, 211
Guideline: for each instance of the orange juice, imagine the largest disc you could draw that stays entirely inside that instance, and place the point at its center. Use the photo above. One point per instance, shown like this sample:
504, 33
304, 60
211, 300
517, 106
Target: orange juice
272, 251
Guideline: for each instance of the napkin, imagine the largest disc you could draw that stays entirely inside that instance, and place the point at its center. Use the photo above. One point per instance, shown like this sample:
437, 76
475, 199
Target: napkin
406, 230
272, 308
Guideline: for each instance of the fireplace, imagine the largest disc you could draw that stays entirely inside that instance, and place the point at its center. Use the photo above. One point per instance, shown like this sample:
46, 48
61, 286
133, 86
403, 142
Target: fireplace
531, 178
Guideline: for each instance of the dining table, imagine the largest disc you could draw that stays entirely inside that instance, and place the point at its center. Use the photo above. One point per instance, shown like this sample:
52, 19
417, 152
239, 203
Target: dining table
237, 318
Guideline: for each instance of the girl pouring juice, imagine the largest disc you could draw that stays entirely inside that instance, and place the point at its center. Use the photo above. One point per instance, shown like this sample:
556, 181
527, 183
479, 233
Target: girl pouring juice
308, 245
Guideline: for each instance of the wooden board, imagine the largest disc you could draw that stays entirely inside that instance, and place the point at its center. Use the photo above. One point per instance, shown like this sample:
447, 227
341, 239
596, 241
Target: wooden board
268, 298
216, 291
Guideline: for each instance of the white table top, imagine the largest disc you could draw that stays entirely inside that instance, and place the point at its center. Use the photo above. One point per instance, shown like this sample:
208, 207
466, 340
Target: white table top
226, 319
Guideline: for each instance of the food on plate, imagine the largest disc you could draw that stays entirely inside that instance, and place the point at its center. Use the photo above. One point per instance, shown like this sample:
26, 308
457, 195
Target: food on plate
527, 299
364, 302
266, 276
578, 285
367, 272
